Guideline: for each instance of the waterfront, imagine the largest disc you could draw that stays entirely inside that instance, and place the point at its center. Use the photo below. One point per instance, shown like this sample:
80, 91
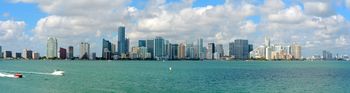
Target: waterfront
185, 76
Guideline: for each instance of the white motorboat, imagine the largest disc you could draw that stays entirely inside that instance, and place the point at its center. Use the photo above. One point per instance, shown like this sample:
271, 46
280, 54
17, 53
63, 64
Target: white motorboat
58, 73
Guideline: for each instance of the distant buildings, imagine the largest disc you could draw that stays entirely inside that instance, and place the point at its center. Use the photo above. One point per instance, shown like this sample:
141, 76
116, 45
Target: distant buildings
51, 48
277, 52
84, 50
239, 49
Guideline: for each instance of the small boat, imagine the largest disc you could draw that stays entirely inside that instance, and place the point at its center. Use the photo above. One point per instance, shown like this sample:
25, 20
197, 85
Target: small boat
18, 75
58, 72
169, 68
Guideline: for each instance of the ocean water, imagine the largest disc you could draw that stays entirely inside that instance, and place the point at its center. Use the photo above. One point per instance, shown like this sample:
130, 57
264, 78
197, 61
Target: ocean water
185, 77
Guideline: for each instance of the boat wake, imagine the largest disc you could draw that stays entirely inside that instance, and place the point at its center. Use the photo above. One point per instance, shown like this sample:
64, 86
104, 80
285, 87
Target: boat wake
19, 75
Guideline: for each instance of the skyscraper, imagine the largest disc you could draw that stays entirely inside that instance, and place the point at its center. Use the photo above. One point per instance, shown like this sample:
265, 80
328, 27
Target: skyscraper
267, 42
84, 50
63, 53
210, 51
36, 55
51, 48
122, 46
18, 55
240, 49
230, 49
220, 50
150, 47
106, 49
27, 54
8, 54
159, 48
200, 49
268, 53
70, 52
296, 51
174, 51
190, 54
142, 43
182, 51
326, 55
1, 52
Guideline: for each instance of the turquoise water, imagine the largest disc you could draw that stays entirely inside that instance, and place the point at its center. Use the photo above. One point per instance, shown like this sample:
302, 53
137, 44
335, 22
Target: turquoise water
185, 77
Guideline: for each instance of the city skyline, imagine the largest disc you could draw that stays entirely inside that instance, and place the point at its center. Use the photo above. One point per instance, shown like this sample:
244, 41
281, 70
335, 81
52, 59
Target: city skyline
315, 25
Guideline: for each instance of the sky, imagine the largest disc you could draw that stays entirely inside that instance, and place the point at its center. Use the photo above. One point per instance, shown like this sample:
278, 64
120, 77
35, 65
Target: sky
316, 25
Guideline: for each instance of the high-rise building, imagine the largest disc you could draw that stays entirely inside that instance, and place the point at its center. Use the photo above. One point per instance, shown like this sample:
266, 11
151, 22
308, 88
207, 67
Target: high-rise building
106, 49
200, 49
36, 55
159, 48
51, 48
240, 49
27, 54
182, 51
63, 53
18, 55
127, 45
144, 53
142, 43
84, 50
210, 51
267, 42
8, 54
70, 52
220, 50
113, 50
93, 57
230, 49
190, 54
122, 41
268, 53
326, 55
1, 52
174, 51
296, 51
150, 47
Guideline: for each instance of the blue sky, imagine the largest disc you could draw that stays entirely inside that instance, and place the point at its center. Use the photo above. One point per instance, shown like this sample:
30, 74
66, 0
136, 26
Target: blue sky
224, 21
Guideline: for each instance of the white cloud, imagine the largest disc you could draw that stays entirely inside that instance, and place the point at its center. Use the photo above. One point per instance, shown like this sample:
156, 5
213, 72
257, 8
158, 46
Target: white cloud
293, 14
248, 27
342, 41
347, 3
11, 30
318, 8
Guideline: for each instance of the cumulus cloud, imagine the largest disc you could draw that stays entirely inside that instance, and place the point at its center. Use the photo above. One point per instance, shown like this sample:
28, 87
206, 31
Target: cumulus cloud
11, 30
318, 8
347, 2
